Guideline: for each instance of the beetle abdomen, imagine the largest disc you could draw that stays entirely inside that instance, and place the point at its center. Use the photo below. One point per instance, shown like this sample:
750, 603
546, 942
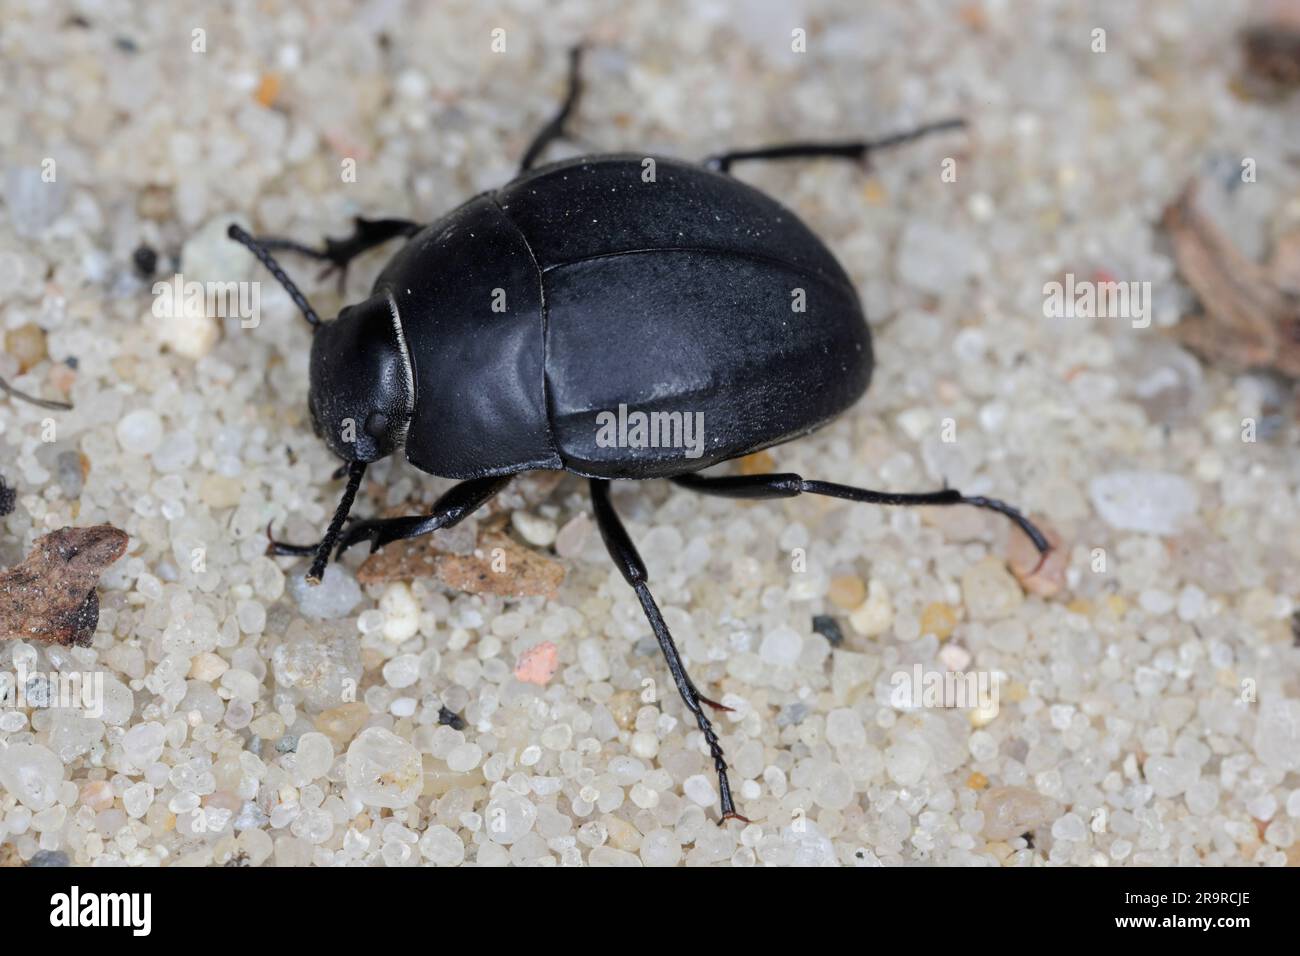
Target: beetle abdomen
689, 319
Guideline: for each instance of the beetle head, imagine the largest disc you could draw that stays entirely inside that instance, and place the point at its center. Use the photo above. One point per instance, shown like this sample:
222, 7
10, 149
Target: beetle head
362, 392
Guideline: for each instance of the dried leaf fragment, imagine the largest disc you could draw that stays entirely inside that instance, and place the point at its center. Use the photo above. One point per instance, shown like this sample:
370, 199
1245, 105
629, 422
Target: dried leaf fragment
51, 596
1270, 46
498, 566
1249, 321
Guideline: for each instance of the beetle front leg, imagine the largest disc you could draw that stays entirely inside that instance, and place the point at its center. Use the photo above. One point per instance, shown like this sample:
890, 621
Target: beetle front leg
339, 253
629, 562
456, 504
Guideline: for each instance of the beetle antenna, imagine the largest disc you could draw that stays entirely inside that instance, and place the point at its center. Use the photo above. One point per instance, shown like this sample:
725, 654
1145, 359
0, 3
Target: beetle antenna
355, 470
41, 402
273, 267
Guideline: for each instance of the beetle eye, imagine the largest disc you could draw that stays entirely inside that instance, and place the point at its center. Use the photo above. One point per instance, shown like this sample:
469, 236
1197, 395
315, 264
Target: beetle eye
377, 424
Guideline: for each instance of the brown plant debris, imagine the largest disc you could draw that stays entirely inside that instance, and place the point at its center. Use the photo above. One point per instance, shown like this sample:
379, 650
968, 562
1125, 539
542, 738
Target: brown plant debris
1251, 319
51, 596
1270, 45
498, 566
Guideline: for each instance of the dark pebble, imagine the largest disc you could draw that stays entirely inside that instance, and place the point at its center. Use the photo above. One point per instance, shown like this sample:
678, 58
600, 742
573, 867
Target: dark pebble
145, 259
49, 858
791, 714
829, 628
452, 719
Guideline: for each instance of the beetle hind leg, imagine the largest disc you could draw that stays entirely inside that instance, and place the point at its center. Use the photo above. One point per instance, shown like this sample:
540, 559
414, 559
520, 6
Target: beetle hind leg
858, 150
788, 485
554, 129
629, 562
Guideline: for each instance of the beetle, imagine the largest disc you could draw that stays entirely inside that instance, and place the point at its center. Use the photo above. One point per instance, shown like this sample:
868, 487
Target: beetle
498, 336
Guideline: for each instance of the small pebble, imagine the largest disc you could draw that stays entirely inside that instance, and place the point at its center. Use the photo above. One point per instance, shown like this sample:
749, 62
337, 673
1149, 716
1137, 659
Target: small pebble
846, 592
140, 432
781, 647
700, 789
31, 202
875, 615
538, 664
336, 595
939, 620
26, 344
384, 770
829, 628
1145, 501
49, 858
401, 612
989, 591
537, 531
791, 714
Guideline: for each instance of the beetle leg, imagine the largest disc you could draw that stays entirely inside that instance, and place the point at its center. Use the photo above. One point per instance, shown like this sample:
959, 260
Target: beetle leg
857, 150
32, 399
629, 562
554, 129
339, 253
356, 471
286, 549
456, 504
788, 485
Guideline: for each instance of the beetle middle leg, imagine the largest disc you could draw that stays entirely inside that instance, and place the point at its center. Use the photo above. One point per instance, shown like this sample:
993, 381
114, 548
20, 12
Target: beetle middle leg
629, 562
788, 485
339, 253
857, 150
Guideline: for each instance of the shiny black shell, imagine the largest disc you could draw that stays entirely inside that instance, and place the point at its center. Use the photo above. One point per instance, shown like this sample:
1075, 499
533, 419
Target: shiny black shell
592, 283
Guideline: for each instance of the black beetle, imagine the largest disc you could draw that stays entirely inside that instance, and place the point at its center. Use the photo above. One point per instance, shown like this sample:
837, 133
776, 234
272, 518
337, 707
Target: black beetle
503, 337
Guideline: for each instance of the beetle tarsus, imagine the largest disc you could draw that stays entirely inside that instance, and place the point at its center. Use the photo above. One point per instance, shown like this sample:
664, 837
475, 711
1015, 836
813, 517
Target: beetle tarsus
51, 404
714, 704
285, 549
1024, 524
